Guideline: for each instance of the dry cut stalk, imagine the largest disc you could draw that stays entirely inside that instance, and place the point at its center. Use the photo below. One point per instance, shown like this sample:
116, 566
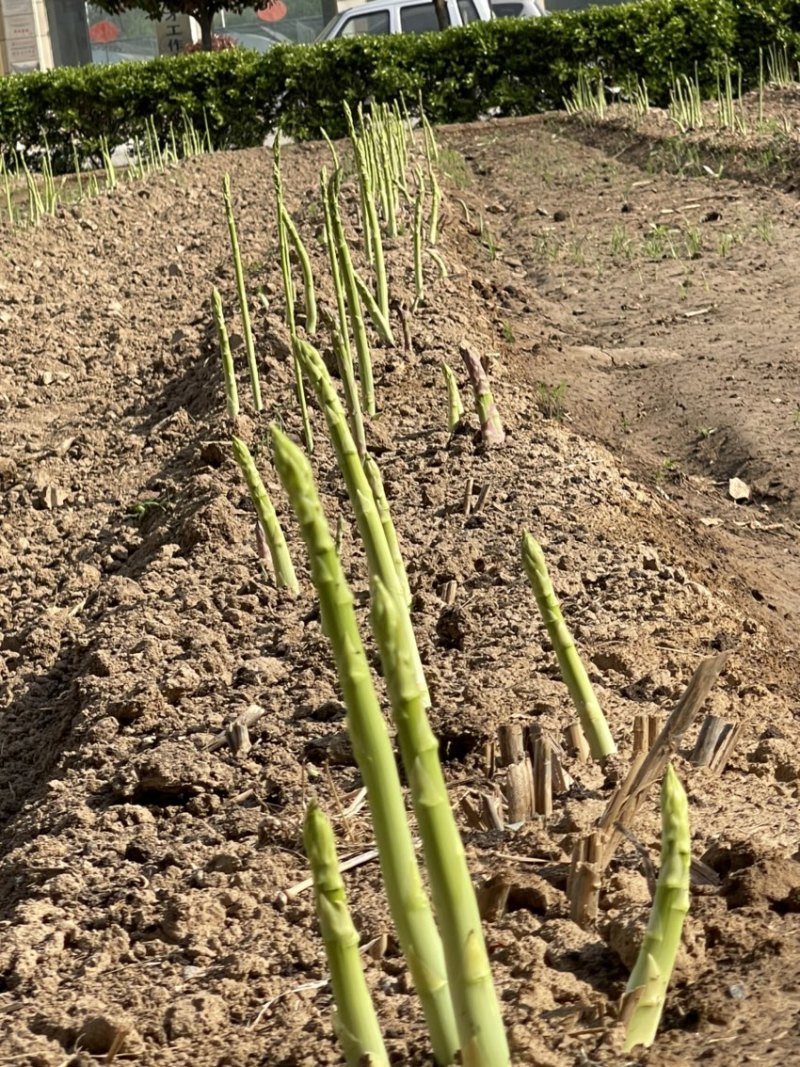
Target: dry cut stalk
355, 1021
592, 720
492, 430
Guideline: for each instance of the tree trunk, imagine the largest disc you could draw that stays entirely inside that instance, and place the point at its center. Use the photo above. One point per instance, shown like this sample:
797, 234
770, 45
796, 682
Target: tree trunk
441, 14
205, 21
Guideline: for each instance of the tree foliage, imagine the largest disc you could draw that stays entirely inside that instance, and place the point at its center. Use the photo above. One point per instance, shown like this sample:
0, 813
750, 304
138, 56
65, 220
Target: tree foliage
202, 10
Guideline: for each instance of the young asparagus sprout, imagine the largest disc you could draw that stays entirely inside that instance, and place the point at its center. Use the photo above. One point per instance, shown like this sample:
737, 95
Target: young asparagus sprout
590, 714
373, 474
373, 751
309, 291
492, 430
352, 297
285, 577
455, 406
419, 208
478, 1017
355, 1021
440, 263
646, 991
229, 374
247, 328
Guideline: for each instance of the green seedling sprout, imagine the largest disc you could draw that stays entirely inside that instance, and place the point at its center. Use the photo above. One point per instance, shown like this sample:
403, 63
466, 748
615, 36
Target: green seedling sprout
355, 1021
372, 749
228, 372
593, 722
373, 474
455, 406
646, 990
285, 577
373, 242
492, 430
478, 1017
247, 327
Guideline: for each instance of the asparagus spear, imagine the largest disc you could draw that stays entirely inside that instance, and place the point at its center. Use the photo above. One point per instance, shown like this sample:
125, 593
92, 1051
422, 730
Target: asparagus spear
590, 714
372, 748
279, 552
480, 1024
646, 990
355, 1021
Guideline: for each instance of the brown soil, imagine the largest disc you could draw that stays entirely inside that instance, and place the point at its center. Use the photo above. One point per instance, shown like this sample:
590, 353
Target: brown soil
144, 870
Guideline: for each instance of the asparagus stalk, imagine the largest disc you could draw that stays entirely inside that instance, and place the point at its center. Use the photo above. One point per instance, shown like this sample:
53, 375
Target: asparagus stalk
419, 207
228, 372
379, 320
379, 557
247, 328
355, 1021
455, 406
372, 748
590, 714
492, 430
646, 990
478, 1017
344, 361
285, 577
285, 227
309, 291
373, 474
352, 298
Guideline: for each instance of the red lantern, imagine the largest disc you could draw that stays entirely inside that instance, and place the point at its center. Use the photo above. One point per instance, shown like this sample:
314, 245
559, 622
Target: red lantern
274, 13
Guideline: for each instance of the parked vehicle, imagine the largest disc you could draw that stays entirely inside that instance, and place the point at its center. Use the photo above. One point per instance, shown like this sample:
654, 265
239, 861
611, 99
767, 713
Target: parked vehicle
519, 9
402, 16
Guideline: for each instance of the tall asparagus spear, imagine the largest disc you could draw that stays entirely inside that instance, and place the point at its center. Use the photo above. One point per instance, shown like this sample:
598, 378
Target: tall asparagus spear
355, 1021
279, 552
373, 474
590, 714
480, 1024
372, 748
647, 986
379, 556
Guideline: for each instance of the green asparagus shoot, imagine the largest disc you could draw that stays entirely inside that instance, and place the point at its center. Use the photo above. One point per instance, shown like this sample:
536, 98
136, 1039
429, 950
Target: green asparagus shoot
285, 577
646, 990
228, 372
455, 406
590, 714
247, 328
372, 748
355, 1022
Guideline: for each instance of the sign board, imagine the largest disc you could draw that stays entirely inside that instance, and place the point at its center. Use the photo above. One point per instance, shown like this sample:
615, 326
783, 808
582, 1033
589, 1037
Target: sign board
21, 36
174, 33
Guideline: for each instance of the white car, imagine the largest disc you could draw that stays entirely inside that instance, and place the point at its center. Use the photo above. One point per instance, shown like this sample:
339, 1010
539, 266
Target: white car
402, 16
517, 9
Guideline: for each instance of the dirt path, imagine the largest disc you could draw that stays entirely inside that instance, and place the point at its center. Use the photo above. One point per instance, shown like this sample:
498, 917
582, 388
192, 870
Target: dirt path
146, 871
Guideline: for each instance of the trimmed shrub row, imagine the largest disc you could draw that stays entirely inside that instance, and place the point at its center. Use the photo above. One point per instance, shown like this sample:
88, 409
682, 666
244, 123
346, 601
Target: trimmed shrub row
507, 67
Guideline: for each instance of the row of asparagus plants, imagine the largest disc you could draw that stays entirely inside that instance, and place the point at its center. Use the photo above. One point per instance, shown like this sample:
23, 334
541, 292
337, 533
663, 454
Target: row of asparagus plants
443, 944
590, 95
31, 196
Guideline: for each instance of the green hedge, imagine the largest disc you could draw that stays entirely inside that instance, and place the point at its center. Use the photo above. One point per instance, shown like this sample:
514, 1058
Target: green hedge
509, 66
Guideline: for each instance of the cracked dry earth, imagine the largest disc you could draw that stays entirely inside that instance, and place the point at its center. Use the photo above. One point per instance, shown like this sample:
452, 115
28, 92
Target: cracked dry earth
148, 873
